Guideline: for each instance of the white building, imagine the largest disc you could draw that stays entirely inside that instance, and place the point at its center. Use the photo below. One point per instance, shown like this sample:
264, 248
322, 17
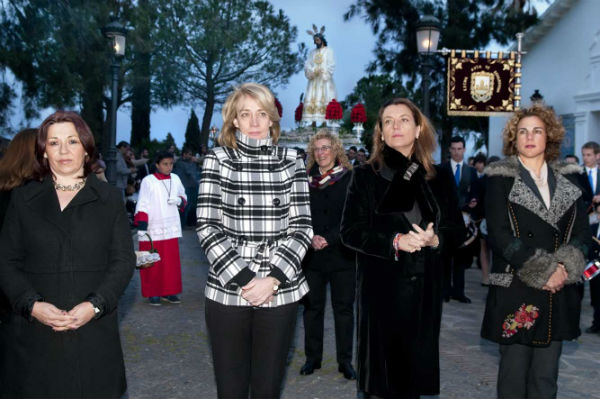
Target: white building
563, 63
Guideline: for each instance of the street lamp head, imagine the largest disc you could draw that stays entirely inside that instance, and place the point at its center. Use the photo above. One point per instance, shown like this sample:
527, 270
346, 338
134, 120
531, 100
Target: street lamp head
428, 34
116, 32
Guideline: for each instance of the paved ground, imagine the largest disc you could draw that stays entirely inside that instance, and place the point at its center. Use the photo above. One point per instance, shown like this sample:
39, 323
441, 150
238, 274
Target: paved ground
167, 353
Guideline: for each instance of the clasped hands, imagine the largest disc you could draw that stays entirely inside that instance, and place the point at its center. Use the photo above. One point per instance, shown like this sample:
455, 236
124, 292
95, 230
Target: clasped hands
61, 320
319, 242
259, 290
417, 239
557, 279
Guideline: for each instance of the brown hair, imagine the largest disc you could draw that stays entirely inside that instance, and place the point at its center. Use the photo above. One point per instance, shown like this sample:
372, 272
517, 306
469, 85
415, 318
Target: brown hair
336, 147
42, 168
591, 145
16, 166
263, 96
554, 130
423, 147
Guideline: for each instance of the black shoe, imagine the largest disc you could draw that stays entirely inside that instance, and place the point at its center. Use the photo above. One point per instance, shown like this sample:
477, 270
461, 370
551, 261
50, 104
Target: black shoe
347, 370
171, 299
462, 299
309, 367
592, 330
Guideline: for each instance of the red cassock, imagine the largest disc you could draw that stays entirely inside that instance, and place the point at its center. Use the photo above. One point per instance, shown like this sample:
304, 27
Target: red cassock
164, 278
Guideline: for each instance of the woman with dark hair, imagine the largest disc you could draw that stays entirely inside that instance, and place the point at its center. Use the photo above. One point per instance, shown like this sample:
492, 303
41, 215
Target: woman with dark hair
537, 228
254, 225
400, 210
328, 260
161, 199
67, 256
16, 166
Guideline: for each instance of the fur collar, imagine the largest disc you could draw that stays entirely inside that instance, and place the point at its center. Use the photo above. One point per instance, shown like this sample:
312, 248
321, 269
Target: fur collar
565, 193
509, 167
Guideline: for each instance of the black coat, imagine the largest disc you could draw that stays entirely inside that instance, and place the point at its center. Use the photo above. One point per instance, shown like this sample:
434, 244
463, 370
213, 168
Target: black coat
399, 301
593, 254
528, 240
326, 206
64, 257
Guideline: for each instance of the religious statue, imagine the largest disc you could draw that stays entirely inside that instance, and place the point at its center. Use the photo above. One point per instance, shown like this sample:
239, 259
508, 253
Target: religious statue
318, 69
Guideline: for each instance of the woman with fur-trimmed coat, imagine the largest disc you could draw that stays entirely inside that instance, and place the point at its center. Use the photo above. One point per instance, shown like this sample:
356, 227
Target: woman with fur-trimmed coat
538, 233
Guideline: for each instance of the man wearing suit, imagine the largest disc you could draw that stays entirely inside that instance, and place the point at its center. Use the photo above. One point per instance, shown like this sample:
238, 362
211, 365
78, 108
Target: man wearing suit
591, 179
455, 261
595, 282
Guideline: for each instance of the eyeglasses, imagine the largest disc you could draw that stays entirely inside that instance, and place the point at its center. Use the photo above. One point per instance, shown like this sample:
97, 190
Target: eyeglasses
325, 148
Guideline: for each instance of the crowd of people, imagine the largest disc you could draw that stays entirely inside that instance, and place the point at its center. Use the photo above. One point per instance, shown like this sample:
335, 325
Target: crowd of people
391, 236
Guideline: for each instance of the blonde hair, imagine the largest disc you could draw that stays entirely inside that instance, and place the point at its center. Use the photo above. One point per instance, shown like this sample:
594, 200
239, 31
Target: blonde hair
423, 146
336, 147
555, 131
263, 96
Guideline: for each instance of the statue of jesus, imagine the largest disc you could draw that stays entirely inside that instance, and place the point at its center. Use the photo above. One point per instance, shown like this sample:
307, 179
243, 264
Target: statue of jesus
318, 69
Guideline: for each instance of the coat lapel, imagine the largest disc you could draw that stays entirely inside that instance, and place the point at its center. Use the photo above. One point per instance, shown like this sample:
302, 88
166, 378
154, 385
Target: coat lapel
42, 201
565, 195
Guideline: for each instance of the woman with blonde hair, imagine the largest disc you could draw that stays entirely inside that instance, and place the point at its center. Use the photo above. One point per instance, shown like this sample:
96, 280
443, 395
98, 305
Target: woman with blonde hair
539, 234
328, 260
400, 210
254, 225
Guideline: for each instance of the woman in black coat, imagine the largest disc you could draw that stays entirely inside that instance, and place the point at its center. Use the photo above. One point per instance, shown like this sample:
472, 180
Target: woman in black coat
537, 228
328, 260
67, 257
399, 211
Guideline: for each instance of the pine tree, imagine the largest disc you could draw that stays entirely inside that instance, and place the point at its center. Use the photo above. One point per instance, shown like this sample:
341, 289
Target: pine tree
192, 133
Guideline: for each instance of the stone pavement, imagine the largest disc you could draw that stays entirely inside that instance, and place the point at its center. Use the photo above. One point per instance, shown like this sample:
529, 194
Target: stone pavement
167, 353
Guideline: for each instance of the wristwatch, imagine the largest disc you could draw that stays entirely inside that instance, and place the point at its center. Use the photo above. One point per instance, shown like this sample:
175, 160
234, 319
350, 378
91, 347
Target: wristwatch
275, 285
96, 309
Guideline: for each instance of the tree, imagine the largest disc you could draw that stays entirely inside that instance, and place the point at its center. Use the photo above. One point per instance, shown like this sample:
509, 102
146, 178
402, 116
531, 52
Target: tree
466, 24
210, 45
192, 133
56, 50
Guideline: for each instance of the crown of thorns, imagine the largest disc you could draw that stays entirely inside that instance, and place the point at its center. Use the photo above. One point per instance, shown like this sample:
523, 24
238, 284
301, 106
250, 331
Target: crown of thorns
315, 31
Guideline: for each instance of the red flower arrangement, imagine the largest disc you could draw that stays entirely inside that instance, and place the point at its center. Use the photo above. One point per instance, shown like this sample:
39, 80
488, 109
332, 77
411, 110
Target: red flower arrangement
279, 107
524, 317
334, 111
298, 112
358, 114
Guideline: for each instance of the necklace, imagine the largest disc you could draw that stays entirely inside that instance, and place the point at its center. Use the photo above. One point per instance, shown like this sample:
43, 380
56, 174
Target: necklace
70, 187
167, 189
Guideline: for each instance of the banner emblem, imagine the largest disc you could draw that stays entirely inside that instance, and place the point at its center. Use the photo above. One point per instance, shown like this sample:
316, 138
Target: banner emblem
482, 86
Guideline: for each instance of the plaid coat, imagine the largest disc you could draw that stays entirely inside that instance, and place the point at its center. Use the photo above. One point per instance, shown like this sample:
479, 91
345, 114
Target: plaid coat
254, 219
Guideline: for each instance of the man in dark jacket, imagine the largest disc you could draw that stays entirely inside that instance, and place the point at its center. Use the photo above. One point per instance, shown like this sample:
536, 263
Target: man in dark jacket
456, 261
186, 169
594, 253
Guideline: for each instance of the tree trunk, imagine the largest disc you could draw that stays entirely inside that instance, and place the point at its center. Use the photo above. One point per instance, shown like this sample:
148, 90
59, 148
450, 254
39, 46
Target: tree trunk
92, 111
140, 100
206, 119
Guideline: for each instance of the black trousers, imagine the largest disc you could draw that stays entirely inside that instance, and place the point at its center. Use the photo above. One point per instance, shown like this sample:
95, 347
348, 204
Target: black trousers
455, 263
528, 372
343, 288
250, 347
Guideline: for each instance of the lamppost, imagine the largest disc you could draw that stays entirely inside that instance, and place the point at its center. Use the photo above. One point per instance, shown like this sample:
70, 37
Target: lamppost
428, 35
116, 32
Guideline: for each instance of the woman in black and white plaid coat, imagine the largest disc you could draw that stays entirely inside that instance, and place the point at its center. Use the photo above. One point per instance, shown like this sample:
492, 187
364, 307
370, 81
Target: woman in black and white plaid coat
254, 225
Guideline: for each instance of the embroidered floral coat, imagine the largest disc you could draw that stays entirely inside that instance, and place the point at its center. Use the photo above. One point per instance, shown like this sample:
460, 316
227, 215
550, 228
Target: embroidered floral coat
528, 240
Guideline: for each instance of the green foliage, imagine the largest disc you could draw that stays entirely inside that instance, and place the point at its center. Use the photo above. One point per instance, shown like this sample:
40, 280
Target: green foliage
207, 46
192, 133
56, 49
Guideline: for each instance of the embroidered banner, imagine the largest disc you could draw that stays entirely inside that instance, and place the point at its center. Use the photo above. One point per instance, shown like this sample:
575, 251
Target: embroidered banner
480, 86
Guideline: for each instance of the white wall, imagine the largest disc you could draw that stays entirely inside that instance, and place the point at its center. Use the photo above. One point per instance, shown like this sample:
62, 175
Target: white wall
558, 65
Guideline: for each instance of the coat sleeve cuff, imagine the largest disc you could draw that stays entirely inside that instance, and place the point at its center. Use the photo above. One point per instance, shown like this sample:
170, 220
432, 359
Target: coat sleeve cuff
573, 260
29, 306
98, 302
243, 277
278, 274
536, 270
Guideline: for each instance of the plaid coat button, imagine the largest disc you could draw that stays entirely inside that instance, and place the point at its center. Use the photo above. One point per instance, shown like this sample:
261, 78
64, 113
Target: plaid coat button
276, 201
241, 200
